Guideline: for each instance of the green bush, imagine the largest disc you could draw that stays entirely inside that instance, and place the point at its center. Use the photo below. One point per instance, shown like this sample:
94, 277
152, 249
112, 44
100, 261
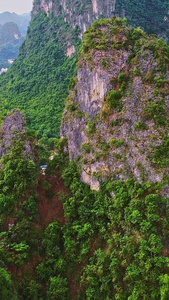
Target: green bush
72, 107
86, 147
114, 97
90, 128
116, 143
140, 126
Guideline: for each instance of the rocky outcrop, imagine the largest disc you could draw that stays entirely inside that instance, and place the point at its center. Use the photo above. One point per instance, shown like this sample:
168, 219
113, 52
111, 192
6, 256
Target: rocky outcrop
70, 51
116, 117
13, 129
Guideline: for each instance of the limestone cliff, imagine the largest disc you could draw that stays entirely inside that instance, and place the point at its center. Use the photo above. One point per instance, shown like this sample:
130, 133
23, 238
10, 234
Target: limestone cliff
80, 13
12, 130
117, 113
152, 16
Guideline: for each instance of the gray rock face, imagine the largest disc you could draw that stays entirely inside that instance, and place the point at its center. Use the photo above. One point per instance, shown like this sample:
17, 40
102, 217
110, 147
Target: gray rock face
122, 141
80, 13
83, 13
13, 129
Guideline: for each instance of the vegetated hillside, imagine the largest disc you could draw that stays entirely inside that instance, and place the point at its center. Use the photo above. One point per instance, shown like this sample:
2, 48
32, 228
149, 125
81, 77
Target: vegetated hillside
62, 240
150, 15
38, 81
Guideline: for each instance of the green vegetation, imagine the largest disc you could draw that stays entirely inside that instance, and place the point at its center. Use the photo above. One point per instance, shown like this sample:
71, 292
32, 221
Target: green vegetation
59, 239
86, 147
6, 291
72, 107
161, 154
37, 82
140, 126
148, 14
155, 110
116, 143
113, 97
90, 128
98, 39
125, 234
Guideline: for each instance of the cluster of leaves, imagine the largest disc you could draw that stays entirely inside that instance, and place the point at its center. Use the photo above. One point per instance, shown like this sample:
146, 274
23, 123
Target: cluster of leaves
161, 154
155, 110
140, 126
115, 95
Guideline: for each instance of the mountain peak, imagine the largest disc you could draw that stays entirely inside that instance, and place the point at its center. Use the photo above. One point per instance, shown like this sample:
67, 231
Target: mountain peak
116, 117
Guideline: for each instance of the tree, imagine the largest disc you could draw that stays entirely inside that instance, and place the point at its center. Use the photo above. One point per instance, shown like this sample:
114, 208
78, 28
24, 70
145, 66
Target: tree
58, 289
6, 291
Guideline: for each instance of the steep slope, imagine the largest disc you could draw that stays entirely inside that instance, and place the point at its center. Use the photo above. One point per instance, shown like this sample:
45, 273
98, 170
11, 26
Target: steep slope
31, 216
38, 81
116, 117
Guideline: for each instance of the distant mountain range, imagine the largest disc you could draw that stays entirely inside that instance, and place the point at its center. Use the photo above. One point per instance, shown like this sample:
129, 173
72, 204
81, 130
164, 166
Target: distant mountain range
13, 29
21, 20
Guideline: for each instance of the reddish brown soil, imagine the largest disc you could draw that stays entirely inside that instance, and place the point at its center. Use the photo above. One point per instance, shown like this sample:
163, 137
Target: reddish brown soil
51, 209
74, 285
9, 221
28, 267
165, 252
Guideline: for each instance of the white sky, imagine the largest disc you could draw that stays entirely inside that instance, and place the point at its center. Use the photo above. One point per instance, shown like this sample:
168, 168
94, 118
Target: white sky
17, 6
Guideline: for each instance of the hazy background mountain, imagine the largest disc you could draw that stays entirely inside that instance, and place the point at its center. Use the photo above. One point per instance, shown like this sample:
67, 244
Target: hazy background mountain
21, 20
13, 29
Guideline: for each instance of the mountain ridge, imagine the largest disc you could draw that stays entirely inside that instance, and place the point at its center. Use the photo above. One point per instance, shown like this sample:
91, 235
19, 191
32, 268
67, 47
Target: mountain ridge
23, 90
111, 118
